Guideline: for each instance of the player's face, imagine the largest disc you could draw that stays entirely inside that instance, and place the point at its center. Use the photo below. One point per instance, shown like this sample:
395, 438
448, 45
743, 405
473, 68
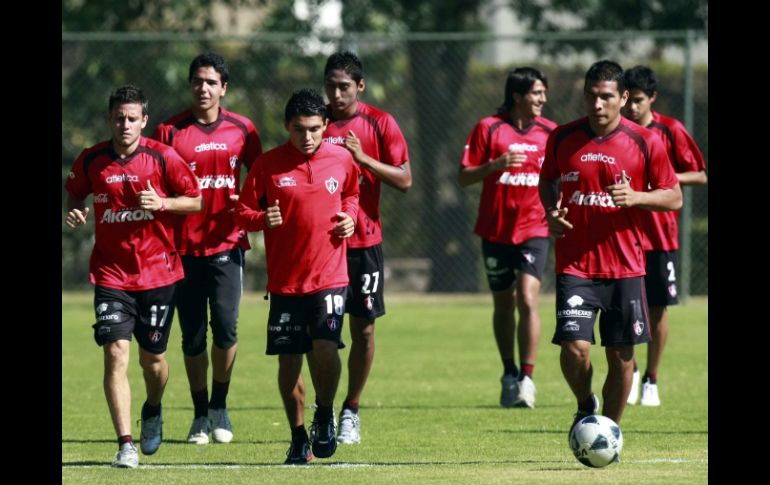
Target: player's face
603, 102
342, 92
638, 105
207, 88
126, 123
532, 103
306, 132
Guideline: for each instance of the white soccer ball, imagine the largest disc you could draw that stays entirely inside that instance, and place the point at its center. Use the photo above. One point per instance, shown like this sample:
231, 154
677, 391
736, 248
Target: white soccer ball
596, 441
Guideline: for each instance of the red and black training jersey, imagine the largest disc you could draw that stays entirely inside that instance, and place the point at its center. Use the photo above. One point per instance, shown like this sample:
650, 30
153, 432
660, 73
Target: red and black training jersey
381, 139
215, 153
662, 227
510, 211
606, 240
303, 254
133, 250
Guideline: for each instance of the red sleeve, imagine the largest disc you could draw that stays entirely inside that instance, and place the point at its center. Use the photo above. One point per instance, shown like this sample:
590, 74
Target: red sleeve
550, 168
179, 177
248, 214
350, 190
394, 149
476, 147
688, 156
660, 171
253, 145
77, 184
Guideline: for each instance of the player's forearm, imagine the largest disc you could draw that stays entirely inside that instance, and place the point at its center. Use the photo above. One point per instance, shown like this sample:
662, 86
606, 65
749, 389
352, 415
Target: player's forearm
183, 204
660, 200
692, 178
549, 192
397, 177
472, 175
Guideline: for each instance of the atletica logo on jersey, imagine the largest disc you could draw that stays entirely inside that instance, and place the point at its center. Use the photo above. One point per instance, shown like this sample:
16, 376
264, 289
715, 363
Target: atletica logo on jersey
233, 161
597, 157
155, 336
114, 179
206, 147
126, 215
332, 185
369, 301
286, 182
217, 182
101, 199
595, 199
570, 176
638, 327
519, 179
332, 323
522, 147
335, 140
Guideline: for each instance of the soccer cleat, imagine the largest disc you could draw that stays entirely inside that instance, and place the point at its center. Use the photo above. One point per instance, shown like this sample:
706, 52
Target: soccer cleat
510, 391
152, 434
650, 394
199, 431
323, 436
580, 414
126, 457
221, 429
350, 428
299, 453
633, 396
526, 397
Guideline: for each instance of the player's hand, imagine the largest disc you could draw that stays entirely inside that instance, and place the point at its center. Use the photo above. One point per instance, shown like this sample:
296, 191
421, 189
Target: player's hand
149, 199
509, 160
621, 192
345, 226
273, 217
76, 217
353, 144
557, 221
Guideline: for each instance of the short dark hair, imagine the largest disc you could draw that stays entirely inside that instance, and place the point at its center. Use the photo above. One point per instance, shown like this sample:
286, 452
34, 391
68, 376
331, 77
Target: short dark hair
348, 62
210, 59
605, 70
128, 94
641, 77
305, 102
519, 81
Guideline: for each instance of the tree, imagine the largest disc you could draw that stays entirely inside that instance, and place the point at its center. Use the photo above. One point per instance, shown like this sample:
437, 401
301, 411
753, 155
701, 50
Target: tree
600, 15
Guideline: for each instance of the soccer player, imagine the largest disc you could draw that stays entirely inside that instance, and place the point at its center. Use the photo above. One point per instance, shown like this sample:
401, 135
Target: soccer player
505, 151
214, 142
304, 195
600, 174
374, 139
134, 265
662, 230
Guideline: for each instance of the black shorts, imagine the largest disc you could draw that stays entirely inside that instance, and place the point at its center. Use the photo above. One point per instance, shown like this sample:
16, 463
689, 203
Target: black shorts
212, 283
624, 319
501, 261
295, 321
367, 282
661, 278
147, 315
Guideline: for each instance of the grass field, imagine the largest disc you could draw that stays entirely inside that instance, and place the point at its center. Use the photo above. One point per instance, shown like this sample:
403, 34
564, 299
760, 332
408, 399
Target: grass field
430, 412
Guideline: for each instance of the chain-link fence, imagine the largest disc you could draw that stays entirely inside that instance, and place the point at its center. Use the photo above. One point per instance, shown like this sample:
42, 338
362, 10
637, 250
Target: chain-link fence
437, 87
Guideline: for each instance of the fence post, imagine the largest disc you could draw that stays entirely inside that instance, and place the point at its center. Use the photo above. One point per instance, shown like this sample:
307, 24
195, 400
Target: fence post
685, 215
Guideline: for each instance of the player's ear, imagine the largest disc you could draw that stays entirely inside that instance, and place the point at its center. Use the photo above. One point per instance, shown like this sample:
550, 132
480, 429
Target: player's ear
224, 90
361, 85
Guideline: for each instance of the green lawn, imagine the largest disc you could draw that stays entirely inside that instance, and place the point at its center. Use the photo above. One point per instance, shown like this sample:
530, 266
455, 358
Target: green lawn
430, 411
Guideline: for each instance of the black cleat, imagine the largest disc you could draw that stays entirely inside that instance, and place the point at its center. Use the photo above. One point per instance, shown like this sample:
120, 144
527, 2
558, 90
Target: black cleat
299, 453
323, 435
